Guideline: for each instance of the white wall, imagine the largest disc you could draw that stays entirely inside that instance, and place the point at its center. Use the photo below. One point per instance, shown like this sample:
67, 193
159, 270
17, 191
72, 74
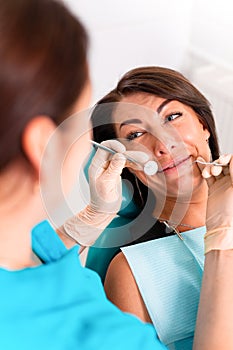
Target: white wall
181, 34
129, 33
212, 30
210, 62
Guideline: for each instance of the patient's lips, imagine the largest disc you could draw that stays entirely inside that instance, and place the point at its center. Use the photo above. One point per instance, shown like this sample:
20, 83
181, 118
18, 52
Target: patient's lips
173, 165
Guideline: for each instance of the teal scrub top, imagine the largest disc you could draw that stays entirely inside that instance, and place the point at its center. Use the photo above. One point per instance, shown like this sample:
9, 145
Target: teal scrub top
61, 305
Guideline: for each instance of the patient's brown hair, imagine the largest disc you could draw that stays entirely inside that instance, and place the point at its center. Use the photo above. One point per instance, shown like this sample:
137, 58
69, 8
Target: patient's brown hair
166, 83
162, 82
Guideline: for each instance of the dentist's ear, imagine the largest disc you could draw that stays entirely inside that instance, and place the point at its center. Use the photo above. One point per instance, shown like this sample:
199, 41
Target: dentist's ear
34, 139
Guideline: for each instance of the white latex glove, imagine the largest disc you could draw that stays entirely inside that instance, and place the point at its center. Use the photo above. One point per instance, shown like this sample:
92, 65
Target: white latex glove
219, 216
105, 193
105, 180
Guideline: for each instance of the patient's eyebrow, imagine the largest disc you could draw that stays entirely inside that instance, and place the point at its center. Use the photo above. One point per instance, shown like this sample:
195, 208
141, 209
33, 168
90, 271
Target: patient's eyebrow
138, 121
131, 121
163, 104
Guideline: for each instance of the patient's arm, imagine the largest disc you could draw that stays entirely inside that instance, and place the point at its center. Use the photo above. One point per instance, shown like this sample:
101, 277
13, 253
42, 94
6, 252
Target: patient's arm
122, 290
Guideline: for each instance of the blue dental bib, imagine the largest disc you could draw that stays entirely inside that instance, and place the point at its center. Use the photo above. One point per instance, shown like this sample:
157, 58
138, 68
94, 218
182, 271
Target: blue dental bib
168, 272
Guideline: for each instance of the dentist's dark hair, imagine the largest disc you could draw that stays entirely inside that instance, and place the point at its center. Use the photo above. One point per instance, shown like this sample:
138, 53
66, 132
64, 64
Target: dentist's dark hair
43, 49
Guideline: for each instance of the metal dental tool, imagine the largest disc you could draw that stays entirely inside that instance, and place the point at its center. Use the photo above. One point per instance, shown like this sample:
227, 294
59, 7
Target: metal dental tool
209, 163
150, 167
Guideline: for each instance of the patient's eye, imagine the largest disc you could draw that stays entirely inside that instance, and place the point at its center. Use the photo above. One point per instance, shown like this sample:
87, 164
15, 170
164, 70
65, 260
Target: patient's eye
134, 135
172, 116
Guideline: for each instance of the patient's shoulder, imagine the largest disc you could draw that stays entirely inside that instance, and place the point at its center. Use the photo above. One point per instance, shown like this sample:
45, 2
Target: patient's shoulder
121, 288
120, 285
119, 269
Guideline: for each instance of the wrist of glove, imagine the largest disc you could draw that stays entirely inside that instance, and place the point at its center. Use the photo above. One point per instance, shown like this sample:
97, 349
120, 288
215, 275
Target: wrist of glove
219, 215
219, 239
86, 226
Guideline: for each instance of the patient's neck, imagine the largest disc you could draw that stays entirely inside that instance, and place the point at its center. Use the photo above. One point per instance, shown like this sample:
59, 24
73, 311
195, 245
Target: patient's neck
190, 212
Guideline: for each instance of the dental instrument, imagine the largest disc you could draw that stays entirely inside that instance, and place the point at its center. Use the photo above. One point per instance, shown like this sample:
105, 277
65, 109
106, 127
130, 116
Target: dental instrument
208, 163
150, 167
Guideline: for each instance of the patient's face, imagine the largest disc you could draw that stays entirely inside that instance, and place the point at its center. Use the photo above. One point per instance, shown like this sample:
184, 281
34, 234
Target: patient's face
173, 136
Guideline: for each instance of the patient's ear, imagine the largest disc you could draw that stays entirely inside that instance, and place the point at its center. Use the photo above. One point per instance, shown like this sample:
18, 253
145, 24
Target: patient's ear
206, 133
35, 137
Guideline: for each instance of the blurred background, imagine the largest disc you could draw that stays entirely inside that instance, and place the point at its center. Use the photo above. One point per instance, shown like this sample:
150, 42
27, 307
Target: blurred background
191, 36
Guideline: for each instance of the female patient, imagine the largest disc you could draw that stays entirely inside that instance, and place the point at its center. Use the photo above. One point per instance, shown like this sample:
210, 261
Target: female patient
163, 276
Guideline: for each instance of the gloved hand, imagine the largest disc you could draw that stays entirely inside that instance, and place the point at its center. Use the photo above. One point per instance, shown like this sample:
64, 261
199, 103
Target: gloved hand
219, 216
105, 193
